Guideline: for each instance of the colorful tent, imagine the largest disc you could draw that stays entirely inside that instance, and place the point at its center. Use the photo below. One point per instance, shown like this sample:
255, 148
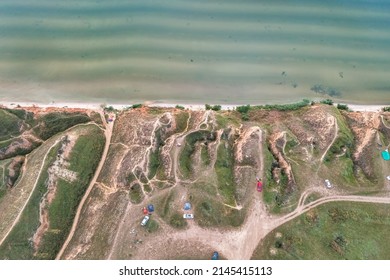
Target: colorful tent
386, 155
145, 211
259, 186
150, 208
187, 206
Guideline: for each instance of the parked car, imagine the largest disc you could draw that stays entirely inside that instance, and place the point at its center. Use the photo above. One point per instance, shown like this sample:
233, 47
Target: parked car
328, 184
388, 177
145, 220
215, 256
188, 216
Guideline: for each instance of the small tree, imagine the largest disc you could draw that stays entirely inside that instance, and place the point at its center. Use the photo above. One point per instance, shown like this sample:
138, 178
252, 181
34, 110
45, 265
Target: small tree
207, 106
243, 109
342, 107
109, 109
327, 101
180, 107
386, 109
216, 108
245, 117
135, 106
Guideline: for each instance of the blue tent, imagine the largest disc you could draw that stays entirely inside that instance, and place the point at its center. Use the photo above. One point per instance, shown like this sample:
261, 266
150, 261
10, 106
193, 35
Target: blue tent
386, 155
150, 208
187, 206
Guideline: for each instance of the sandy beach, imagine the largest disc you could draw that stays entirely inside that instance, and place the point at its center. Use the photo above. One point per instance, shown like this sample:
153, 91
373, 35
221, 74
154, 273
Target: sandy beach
97, 106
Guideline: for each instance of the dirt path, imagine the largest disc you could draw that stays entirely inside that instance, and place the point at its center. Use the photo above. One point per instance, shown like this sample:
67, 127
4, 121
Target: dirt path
301, 209
384, 123
121, 224
239, 244
108, 133
336, 128
32, 191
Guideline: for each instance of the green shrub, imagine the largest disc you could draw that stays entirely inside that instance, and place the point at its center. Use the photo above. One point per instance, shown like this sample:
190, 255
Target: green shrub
136, 195
135, 106
327, 101
216, 108
386, 109
285, 107
342, 107
152, 226
243, 109
109, 109
179, 107
213, 107
245, 117
177, 221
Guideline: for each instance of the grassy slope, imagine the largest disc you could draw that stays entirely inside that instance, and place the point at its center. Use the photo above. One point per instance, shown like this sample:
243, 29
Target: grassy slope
17, 245
181, 121
53, 123
84, 159
345, 140
9, 125
342, 230
185, 157
224, 170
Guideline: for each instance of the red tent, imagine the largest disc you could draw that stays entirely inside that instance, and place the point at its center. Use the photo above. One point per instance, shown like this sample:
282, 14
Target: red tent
145, 210
259, 186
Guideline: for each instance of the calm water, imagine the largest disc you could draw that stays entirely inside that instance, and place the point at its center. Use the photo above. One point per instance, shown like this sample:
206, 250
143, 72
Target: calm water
199, 51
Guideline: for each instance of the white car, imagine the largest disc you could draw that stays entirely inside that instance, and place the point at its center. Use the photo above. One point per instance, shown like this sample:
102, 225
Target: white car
388, 177
188, 216
328, 184
145, 221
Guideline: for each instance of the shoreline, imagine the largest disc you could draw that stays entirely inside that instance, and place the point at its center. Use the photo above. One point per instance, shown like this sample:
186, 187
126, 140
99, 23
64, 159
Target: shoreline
196, 107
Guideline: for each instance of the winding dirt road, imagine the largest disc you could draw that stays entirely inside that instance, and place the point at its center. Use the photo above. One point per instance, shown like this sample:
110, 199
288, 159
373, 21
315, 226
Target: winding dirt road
107, 133
239, 244
336, 128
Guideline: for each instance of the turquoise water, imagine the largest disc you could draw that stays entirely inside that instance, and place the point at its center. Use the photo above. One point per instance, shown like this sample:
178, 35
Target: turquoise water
198, 51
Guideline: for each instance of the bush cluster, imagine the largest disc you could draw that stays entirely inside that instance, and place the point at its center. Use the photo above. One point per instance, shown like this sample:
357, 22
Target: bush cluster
342, 107
327, 101
244, 110
386, 109
213, 107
